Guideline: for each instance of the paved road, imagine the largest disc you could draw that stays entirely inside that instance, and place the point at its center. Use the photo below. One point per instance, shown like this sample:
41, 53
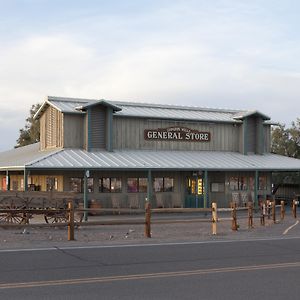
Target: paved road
258, 269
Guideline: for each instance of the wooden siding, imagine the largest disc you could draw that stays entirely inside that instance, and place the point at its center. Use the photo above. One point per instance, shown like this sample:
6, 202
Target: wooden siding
129, 134
98, 128
51, 127
73, 131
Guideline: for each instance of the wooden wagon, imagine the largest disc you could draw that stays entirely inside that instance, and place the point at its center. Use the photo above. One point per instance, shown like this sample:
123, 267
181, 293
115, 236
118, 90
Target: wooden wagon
19, 207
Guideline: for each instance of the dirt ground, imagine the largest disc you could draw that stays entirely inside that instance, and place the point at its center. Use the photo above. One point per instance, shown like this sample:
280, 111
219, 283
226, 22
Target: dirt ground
199, 228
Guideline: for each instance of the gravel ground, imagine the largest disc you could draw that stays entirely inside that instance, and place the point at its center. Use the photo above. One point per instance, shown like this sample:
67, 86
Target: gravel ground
30, 237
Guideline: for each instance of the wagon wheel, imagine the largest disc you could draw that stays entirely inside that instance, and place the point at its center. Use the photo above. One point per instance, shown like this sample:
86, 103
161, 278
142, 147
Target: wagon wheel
61, 217
13, 217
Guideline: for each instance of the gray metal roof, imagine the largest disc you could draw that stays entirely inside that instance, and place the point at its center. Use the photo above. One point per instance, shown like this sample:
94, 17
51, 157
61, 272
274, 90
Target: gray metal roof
144, 110
168, 160
31, 158
19, 157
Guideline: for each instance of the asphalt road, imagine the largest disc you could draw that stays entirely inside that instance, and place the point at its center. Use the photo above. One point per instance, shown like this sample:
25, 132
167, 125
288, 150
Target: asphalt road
258, 269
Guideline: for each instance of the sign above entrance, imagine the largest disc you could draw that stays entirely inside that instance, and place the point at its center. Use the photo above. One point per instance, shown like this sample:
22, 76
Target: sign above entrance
177, 134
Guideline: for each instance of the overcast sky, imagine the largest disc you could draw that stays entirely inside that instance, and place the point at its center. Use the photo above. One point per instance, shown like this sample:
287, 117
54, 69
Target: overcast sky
221, 54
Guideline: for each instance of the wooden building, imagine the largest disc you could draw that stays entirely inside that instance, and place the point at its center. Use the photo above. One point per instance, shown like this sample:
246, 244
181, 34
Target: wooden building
120, 153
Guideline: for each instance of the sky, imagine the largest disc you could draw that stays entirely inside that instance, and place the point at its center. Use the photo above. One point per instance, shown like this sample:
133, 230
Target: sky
208, 53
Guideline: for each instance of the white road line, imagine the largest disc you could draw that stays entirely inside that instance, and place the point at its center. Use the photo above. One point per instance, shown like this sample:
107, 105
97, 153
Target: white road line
288, 229
57, 248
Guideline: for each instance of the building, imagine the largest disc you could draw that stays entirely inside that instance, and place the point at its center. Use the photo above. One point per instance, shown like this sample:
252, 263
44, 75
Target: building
110, 151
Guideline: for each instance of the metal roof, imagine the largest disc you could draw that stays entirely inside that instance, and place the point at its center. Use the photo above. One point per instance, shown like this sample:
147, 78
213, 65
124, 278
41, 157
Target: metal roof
18, 158
31, 158
146, 110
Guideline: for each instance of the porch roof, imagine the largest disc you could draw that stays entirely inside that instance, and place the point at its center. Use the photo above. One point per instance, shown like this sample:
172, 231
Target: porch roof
31, 158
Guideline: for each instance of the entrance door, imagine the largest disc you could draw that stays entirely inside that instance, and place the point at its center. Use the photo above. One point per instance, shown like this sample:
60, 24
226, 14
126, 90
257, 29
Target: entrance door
194, 192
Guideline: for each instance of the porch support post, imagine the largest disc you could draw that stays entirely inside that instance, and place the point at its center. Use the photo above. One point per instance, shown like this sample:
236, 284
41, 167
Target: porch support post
256, 190
7, 181
206, 200
149, 187
85, 195
25, 180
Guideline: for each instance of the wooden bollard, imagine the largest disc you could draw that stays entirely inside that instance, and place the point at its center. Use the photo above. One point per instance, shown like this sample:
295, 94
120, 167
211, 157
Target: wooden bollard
282, 210
148, 220
71, 225
250, 215
274, 211
214, 218
294, 209
233, 215
268, 209
262, 213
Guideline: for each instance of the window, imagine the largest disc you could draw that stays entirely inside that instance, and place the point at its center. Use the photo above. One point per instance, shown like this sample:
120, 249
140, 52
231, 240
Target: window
132, 185
158, 184
115, 185
110, 185
262, 182
143, 185
164, 184
168, 184
51, 184
90, 185
75, 185
234, 183
238, 183
135, 185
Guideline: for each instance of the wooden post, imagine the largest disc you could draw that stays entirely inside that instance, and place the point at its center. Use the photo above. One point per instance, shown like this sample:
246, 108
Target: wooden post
268, 209
262, 213
148, 220
282, 210
233, 215
71, 221
294, 209
274, 211
214, 218
250, 215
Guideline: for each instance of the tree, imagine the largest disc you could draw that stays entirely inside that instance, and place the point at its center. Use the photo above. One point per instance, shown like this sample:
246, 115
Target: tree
286, 141
30, 134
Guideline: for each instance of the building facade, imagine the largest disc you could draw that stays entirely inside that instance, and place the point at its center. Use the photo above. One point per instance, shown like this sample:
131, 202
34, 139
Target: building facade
119, 154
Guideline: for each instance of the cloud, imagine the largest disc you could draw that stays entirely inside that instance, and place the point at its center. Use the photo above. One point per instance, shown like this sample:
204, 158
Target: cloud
181, 53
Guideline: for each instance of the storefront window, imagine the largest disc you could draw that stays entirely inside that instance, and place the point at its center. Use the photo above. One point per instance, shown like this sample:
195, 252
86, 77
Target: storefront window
132, 185
251, 183
158, 184
90, 185
164, 184
115, 185
168, 184
110, 185
143, 183
75, 185
51, 184
234, 183
238, 183
243, 183
262, 182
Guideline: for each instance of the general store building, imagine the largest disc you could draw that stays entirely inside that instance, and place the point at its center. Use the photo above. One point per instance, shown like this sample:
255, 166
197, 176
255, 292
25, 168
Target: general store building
120, 153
